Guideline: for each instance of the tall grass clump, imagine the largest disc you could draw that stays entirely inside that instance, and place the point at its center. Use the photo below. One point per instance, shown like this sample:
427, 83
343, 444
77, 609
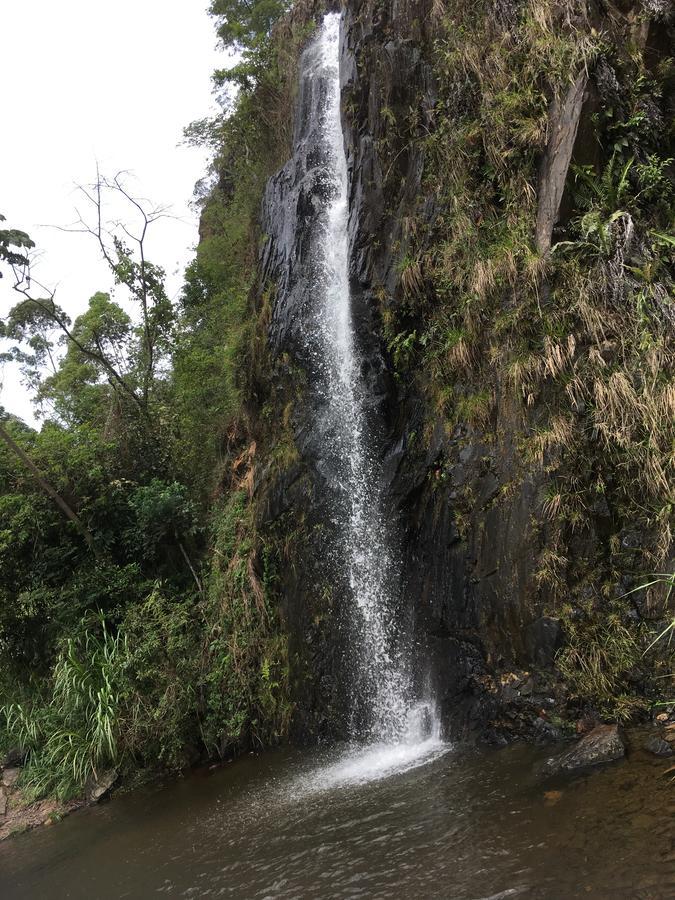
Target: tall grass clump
607, 655
177, 679
663, 640
73, 732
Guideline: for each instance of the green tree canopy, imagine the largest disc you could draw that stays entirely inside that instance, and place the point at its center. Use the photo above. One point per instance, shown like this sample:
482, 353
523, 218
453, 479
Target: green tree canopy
244, 23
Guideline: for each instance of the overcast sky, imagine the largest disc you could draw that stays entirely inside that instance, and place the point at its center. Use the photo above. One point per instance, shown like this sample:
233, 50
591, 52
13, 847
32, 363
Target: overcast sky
109, 82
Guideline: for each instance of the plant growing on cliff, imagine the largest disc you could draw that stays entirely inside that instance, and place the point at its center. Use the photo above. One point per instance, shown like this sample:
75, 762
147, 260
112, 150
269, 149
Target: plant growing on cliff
601, 659
246, 654
665, 580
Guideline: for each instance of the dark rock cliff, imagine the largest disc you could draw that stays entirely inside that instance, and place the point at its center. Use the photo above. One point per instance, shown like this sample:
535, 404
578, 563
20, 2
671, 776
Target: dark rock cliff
469, 501
470, 592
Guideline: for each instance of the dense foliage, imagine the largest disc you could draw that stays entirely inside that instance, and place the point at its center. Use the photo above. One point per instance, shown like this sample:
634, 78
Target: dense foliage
137, 622
246, 23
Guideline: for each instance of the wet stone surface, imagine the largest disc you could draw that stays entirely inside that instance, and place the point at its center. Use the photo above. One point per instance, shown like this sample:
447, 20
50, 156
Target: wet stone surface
603, 744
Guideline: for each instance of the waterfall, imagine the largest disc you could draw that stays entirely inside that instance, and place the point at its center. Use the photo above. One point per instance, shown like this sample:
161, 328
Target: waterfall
383, 699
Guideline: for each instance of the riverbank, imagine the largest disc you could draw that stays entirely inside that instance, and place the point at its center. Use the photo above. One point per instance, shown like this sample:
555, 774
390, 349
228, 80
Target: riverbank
18, 814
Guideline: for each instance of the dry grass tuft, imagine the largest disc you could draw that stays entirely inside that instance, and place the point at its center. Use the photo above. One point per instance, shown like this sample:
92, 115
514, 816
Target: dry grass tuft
412, 279
547, 444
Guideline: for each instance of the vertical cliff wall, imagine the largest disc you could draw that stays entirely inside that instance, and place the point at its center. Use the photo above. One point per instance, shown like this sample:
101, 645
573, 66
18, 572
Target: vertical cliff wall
521, 397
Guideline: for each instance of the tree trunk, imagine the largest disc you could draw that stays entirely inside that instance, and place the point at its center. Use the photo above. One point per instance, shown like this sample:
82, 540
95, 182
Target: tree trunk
46, 487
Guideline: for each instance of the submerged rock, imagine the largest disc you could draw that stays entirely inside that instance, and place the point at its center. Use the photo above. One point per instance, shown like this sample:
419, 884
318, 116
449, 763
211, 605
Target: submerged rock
658, 746
601, 745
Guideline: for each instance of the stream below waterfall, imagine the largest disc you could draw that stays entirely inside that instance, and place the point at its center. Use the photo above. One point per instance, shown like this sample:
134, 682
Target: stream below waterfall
428, 822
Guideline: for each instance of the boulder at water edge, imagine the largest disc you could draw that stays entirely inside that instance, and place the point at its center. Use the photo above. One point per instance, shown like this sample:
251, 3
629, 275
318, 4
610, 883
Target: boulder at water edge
601, 745
96, 788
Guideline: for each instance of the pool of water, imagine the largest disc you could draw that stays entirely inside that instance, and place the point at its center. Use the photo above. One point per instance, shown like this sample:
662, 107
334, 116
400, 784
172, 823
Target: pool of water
433, 822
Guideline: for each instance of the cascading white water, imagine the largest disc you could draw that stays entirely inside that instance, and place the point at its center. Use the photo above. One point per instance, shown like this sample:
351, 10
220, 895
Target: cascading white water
383, 682
383, 672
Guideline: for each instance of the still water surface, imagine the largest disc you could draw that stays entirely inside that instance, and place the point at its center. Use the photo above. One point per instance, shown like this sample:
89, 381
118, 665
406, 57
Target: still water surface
438, 823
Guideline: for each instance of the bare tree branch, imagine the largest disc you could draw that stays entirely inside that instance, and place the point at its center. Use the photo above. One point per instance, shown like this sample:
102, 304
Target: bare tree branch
130, 267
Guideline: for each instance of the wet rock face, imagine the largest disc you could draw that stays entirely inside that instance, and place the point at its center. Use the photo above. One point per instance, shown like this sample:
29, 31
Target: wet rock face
385, 73
470, 587
304, 498
467, 566
601, 745
307, 499
543, 638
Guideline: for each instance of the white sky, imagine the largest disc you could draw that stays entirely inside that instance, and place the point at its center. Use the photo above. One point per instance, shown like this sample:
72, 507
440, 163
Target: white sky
109, 82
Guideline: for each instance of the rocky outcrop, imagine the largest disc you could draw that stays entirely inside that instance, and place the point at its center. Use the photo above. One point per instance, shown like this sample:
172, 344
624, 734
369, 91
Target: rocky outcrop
470, 592
563, 126
470, 583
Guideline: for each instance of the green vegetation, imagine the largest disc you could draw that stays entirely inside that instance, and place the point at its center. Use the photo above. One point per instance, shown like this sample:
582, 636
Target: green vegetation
571, 350
14, 245
75, 732
603, 660
246, 23
139, 625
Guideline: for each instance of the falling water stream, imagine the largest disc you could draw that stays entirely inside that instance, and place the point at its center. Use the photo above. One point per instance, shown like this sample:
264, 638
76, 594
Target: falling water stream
383, 665
394, 729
